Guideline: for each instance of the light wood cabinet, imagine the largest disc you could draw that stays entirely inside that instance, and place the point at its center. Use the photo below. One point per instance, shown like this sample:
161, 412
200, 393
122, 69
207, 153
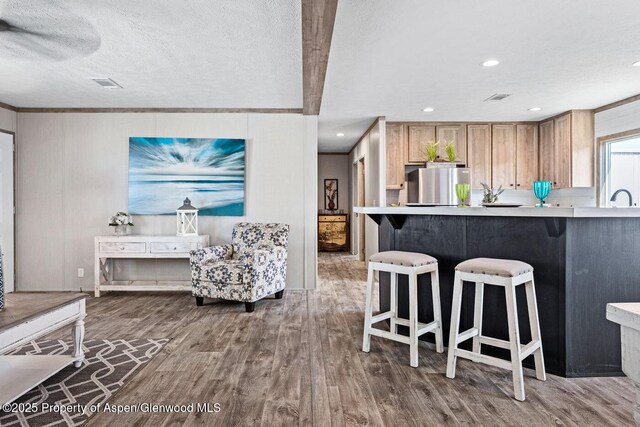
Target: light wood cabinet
562, 152
526, 155
503, 156
396, 149
546, 151
567, 149
419, 136
457, 135
479, 154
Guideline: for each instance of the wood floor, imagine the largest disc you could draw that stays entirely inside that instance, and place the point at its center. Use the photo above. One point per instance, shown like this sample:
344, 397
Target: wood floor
297, 361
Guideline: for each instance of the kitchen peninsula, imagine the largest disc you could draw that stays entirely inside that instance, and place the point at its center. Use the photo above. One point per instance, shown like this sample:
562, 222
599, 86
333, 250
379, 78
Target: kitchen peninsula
583, 258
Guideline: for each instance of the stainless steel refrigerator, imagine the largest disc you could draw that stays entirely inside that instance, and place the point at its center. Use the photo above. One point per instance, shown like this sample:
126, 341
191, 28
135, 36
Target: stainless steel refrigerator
435, 186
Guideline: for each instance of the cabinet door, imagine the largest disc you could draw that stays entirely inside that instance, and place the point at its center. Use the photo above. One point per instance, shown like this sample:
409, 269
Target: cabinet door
395, 156
526, 156
546, 153
562, 152
479, 154
455, 134
503, 155
419, 136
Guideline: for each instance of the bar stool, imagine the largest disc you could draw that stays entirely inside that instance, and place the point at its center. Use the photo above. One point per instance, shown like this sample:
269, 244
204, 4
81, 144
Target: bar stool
411, 264
508, 274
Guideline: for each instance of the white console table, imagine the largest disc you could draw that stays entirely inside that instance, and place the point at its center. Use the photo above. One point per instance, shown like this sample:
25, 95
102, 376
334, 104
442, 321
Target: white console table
110, 248
26, 317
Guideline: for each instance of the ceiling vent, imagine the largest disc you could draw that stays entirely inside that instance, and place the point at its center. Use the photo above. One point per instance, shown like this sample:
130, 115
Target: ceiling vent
497, 97
106, 83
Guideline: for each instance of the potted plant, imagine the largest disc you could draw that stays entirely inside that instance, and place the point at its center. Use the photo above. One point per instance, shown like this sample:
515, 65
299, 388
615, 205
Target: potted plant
450, 152
431, 151
121, 222
490, 194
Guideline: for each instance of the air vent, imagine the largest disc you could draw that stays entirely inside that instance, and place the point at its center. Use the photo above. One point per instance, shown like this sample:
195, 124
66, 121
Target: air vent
106, 83
497, 97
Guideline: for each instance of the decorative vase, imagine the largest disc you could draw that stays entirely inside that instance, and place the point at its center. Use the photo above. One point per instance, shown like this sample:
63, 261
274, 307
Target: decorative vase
541, 190
462, 191
332, 205
121, 230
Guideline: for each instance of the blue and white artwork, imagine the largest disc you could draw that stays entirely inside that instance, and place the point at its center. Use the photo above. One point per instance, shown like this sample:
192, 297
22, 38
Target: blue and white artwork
163, 171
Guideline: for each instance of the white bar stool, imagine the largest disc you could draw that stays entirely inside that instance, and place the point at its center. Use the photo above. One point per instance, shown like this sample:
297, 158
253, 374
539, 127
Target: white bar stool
411, 264
509, 274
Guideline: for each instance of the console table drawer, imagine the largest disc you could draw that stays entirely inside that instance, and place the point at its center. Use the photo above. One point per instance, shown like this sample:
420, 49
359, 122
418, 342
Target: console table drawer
172, 247
125, 247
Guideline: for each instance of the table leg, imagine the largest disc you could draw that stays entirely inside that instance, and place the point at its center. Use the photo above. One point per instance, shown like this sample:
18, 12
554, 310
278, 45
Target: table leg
78, 336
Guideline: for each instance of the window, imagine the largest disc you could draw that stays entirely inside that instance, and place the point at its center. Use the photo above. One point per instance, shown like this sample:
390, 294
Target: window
620, 168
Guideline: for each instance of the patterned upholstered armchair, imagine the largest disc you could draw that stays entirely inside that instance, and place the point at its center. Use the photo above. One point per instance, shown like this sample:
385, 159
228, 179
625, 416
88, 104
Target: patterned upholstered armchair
252, 267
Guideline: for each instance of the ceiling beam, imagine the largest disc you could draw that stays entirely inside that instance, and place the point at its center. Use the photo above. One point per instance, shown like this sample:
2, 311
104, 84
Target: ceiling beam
628, 100
318, 17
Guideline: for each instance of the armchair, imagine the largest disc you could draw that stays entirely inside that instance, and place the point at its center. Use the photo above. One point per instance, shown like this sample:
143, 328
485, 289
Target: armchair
252, 267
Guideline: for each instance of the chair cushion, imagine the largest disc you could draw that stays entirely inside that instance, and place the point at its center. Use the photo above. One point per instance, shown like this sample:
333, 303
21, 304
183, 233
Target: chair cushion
494, 266
405, 259
223, 273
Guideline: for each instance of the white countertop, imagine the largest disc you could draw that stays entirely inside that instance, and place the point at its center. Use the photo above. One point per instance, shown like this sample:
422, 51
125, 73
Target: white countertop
523, 211
625, 313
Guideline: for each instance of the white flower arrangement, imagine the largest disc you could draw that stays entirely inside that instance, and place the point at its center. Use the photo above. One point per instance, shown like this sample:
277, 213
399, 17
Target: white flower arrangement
120, 218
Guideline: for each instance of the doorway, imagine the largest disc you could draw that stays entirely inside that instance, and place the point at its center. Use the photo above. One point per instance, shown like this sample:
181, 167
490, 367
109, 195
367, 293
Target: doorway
359, 198
7, 211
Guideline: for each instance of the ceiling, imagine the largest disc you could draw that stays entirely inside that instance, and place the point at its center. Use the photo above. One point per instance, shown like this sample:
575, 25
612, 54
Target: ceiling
387, 58
392, 59
164, 53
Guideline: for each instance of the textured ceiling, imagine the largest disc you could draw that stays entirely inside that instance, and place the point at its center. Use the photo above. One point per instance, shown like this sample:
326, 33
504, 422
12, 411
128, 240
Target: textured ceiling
393, 58
164, 53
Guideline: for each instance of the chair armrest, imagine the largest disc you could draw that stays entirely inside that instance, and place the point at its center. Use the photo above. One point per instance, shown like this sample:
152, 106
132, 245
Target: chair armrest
211, 254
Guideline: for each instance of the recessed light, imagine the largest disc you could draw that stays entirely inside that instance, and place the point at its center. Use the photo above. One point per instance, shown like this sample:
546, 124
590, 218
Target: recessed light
490, 63
427, 109
339, 134
535, 109
636, 64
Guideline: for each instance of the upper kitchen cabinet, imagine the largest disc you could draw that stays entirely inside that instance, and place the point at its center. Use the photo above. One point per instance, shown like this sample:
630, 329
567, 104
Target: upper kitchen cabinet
503, 156
567, 149
479, 154
396, 153
526, 155
455, 133
419, 136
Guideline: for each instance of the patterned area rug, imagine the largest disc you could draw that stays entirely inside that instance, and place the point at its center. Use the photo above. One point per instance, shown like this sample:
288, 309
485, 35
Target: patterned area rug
107, 366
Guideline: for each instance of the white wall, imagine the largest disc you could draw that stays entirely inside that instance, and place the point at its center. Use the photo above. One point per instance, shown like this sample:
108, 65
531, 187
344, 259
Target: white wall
371, 147
7, 120
623, 118
73, 174
334, 166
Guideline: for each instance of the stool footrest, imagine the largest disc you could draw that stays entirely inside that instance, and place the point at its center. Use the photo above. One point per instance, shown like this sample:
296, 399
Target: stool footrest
529, 349
423, 328
382, 316
483, 358
494, 342
469, 333
389, 335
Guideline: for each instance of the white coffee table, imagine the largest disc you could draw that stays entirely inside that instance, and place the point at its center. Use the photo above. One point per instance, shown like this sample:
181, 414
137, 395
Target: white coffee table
627, 315
28, 316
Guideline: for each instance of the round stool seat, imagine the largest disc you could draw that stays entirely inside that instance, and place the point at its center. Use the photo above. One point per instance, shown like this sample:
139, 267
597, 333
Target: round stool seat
405, 259
494, 267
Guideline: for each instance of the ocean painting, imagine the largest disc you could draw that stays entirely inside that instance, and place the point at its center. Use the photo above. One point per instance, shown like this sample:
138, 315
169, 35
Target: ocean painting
163, 171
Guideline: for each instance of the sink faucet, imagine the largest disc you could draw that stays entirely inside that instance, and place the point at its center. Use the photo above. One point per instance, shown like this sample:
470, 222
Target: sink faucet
622, 190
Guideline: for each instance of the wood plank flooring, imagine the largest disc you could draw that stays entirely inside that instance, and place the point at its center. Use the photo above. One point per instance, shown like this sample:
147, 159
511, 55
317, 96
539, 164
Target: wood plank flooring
297, 361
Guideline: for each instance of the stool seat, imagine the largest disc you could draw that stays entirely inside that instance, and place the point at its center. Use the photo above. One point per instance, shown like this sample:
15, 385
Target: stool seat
405, 259
494, 267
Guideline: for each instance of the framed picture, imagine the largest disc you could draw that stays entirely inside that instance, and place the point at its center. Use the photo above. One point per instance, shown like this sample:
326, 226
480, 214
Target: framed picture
163, 171
331, 194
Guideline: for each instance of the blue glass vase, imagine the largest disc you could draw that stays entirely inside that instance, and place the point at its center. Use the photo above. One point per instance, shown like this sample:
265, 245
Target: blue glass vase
541, 189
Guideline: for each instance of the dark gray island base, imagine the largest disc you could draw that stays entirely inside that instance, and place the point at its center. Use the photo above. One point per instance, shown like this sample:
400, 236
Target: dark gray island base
580, 265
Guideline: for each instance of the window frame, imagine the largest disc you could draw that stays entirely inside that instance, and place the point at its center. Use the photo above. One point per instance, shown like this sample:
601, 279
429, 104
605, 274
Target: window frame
603, 161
